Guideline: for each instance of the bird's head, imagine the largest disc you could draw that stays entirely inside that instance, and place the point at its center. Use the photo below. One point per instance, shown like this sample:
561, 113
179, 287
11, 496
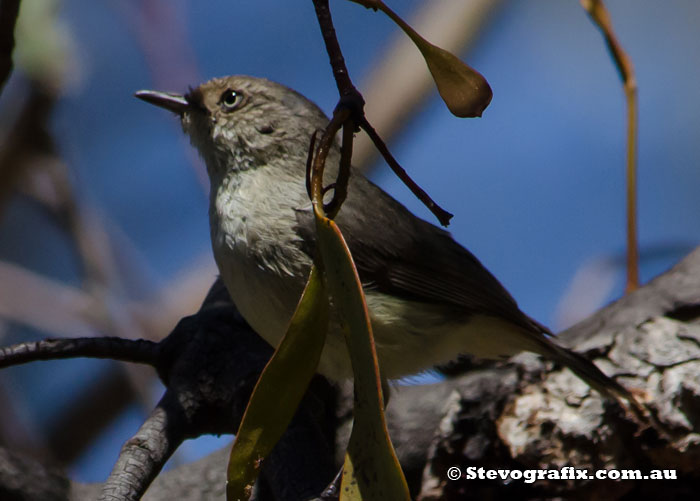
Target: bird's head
242, 122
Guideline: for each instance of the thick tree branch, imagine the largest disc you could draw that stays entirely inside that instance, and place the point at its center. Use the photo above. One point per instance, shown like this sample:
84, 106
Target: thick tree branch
522, 414
538, 416
210, 363
143, 456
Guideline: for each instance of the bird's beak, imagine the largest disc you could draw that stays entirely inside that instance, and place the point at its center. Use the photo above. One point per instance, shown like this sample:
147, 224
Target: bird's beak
172, 102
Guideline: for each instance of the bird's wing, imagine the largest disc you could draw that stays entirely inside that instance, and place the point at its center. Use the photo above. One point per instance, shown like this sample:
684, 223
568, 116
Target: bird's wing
399, 254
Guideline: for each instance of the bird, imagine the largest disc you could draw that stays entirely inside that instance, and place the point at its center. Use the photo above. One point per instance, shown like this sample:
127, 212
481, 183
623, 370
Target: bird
429, 299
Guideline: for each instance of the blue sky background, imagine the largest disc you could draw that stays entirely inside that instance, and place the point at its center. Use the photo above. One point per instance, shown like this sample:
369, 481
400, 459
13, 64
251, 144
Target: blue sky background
536, 185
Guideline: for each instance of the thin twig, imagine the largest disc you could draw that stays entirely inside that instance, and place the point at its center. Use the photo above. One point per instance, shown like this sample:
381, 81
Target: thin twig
632, 239
335, 55
600, 16
115, 348
351, 102
351, 99
442, 215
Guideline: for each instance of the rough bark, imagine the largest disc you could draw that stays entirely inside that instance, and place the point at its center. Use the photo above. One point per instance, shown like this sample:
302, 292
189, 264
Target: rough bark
526, 415
523, 414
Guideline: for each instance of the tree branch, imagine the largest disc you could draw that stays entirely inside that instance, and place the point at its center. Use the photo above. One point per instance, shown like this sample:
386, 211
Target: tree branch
115, 348
335, 55
144, 455
523, 414
351, 99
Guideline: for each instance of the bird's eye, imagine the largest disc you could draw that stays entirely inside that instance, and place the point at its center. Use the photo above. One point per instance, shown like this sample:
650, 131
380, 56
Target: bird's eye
230, 99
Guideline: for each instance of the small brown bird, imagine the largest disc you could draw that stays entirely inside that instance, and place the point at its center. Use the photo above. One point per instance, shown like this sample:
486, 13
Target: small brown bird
429, 298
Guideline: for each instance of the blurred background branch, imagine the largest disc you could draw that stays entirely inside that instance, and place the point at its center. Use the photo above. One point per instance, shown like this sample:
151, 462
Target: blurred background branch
9, 11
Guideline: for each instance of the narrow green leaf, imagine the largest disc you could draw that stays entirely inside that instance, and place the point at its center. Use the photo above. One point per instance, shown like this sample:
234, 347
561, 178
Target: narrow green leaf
280, 388
371, 470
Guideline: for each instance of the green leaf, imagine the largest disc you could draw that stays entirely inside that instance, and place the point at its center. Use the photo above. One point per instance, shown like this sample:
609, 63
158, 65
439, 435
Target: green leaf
280, 388
371, 470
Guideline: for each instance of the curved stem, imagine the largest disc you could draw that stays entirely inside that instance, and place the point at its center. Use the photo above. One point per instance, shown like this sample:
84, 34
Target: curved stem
340, 187
127, 350
340, 115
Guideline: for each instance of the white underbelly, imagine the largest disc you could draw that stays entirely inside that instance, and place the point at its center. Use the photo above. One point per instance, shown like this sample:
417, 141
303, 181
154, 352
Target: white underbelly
409, 336
265, 300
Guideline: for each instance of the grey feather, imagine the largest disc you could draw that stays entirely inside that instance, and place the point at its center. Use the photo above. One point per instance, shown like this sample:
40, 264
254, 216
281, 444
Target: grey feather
398, 254
401, 255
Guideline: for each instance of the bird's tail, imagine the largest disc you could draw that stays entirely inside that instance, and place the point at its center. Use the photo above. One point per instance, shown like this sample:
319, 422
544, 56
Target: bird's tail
593, 376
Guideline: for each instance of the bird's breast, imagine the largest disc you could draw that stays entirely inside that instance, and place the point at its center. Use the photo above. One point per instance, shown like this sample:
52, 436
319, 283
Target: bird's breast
256, 251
